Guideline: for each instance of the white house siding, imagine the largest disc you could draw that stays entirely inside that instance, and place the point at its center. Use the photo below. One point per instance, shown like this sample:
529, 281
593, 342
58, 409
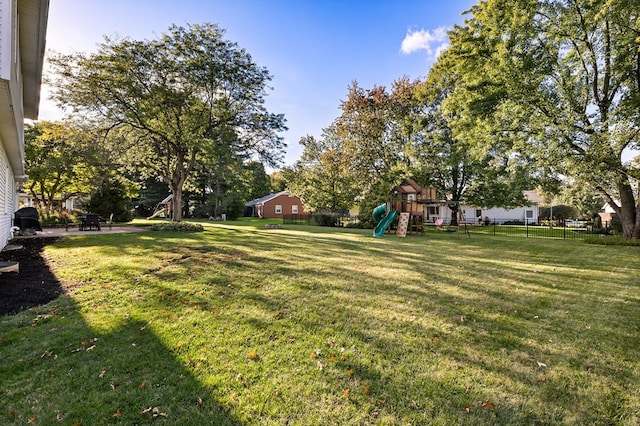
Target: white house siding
498, 214
8, 198
23, 26
522, 214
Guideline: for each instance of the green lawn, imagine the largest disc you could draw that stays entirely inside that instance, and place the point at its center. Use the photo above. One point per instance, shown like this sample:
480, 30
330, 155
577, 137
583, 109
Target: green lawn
314, 326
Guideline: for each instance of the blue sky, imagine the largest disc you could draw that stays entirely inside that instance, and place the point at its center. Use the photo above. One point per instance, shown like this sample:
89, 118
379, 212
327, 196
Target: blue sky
314, 49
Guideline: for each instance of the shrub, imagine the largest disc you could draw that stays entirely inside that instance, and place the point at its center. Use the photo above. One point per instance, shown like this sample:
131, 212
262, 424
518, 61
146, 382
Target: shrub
112, 198
203, 211
177, 227
326, 219
54, 217
612, 241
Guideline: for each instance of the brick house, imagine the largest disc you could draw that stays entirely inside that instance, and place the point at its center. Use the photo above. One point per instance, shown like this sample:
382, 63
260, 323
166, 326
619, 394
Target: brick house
275, 206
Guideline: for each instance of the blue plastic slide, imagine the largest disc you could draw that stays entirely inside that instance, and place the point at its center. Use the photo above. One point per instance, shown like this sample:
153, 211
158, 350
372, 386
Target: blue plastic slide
383, 218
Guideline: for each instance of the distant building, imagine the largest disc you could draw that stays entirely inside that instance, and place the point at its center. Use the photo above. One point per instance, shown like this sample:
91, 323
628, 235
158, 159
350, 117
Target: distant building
23, 28
607, 214
275, 206
474, 214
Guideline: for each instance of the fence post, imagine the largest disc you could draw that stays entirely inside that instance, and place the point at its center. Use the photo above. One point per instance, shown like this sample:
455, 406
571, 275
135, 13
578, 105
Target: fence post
494, 227
526, 226
564, 229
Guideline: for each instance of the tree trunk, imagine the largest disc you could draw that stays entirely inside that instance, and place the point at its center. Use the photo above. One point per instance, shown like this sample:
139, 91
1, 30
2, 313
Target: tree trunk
176, 213
627, 211
217, 195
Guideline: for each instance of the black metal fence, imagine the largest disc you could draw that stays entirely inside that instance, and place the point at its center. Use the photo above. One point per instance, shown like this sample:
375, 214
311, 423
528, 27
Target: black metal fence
560, 229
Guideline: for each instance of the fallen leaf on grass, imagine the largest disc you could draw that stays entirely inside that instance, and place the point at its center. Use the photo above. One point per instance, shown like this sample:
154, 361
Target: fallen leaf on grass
345, 393
541, 364
102, 373
117, 414
143, 385
253, 356
467, 408
488, 404
32, 420
154, 412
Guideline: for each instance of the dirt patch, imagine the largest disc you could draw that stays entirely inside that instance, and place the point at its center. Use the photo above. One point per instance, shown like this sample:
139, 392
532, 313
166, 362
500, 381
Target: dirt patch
34, 284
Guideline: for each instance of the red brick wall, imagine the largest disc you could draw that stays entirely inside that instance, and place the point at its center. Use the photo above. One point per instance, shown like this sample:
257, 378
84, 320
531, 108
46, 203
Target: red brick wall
286, 202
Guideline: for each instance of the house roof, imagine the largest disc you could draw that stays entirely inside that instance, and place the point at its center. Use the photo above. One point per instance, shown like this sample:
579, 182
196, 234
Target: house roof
408, 186
33, 28
532, 196
266, 198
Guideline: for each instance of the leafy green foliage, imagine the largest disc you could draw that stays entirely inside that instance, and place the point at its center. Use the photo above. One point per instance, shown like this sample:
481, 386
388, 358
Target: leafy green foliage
612, 241
556, 82
53, 155
177, 227
114, 196
322, 177
189, 97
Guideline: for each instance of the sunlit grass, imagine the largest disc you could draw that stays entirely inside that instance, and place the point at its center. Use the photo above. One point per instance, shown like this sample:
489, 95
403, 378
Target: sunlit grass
305, 325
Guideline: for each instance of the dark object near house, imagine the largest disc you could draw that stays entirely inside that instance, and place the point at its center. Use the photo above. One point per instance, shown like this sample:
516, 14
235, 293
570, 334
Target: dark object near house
89, 222
27, 219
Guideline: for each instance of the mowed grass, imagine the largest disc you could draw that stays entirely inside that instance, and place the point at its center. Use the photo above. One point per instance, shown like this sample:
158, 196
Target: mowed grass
314, 326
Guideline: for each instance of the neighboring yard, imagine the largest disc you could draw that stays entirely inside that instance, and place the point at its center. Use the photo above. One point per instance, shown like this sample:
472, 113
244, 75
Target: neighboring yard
316, 326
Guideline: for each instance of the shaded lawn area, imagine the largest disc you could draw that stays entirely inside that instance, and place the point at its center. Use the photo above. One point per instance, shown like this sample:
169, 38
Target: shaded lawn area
305, 325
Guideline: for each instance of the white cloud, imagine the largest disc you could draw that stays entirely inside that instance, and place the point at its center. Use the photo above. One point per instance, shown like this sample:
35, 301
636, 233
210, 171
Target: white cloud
433, 42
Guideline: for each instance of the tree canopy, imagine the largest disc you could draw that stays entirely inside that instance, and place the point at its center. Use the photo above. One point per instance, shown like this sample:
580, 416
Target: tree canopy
559, 81
187, 96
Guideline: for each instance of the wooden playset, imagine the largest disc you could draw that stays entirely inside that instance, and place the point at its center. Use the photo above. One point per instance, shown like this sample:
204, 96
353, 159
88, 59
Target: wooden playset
409, 200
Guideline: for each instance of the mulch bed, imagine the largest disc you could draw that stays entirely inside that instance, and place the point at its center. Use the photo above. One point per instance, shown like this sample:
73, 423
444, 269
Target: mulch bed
34, 284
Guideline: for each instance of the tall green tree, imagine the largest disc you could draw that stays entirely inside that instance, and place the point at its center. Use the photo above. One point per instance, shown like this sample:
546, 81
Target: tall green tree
558, 80
187, 95
253, 181
447, 161
379, 138
53, 156
322, 177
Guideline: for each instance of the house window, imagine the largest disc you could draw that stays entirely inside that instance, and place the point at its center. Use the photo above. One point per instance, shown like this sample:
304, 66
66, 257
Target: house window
478, 213
294, 209
278, 208
411, 197
529, 214
434, 210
